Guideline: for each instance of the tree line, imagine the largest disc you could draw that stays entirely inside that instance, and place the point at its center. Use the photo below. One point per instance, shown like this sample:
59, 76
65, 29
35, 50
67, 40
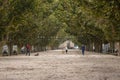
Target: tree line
37, 21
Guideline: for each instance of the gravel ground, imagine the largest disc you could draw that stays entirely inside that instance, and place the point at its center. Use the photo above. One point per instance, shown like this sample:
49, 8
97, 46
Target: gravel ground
56, 65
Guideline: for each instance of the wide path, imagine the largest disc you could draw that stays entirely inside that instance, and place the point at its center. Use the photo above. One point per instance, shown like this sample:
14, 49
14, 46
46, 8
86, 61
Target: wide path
56, 65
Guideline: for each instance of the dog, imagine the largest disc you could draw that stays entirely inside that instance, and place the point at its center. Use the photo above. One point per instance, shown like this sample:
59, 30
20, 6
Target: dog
37, 54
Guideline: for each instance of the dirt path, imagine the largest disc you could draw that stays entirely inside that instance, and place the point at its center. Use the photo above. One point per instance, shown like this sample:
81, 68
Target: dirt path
56, 65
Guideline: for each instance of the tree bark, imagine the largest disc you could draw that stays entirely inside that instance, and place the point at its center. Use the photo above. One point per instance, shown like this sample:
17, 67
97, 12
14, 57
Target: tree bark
98, 47
119, 49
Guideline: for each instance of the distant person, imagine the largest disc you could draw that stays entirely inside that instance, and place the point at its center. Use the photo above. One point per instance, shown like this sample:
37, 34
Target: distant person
28, 49
66, 50
83, 49
23, 50
15, 49
116, 52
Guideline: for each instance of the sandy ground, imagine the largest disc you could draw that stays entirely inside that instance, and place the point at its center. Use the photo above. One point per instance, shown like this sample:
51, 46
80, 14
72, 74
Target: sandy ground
56, 65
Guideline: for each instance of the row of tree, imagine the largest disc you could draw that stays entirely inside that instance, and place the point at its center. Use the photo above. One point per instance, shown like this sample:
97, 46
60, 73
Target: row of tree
37, 22
93, 22
28, 21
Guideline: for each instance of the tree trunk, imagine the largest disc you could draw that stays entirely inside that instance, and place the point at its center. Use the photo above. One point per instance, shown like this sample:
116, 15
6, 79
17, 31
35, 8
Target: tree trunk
88, 47
98, 47
119, 49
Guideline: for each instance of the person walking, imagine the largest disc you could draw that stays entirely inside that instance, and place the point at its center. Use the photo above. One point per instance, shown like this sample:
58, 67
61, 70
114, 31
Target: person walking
66, 50
93, 48
83, 49
28, 49
23, 49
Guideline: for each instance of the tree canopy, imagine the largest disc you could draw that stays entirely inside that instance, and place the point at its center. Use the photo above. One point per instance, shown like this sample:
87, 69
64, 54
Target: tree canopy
38, 21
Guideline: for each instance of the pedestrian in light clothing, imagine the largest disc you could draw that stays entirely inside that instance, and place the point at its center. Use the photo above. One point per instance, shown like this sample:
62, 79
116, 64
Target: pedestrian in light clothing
66, 49
28, 49
23, 49
83, 49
